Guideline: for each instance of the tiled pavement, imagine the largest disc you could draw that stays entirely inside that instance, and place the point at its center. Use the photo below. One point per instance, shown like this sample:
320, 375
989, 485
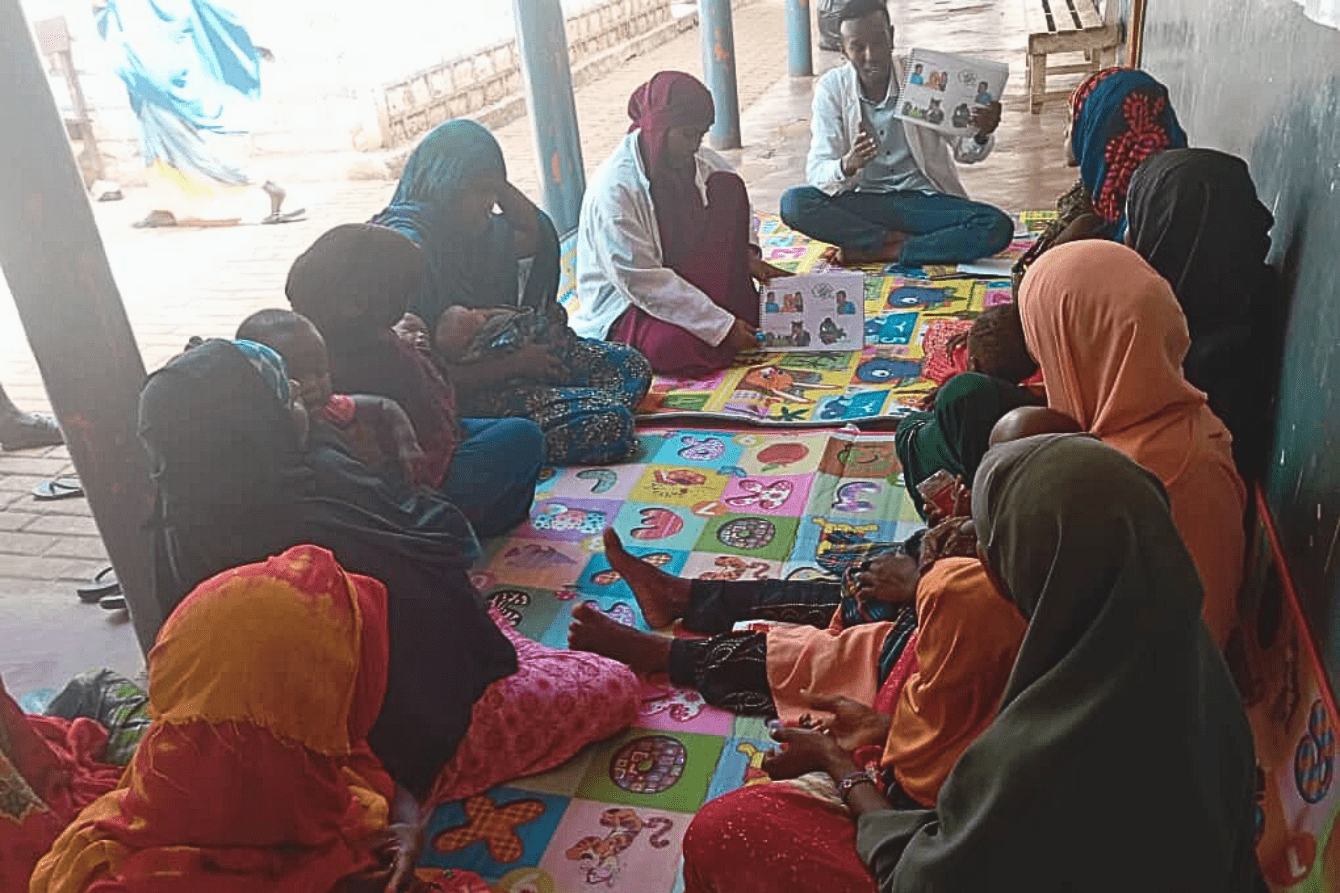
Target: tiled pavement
178, 283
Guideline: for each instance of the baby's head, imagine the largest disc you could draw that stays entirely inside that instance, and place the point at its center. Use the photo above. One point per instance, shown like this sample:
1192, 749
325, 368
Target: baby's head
412, 330
996, 345
294, 338
456, 329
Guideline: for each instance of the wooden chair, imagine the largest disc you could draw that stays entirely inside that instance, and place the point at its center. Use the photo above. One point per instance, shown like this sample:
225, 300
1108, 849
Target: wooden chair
1066, 26
53, 41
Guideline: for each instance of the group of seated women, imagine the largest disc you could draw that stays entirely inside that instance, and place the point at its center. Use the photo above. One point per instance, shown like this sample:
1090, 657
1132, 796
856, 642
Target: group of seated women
1028, 693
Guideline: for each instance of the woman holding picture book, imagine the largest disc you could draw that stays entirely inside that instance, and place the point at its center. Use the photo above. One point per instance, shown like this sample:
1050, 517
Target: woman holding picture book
667, 251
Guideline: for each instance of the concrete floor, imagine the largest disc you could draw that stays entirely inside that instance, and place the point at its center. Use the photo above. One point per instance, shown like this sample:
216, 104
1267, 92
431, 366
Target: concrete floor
177, 283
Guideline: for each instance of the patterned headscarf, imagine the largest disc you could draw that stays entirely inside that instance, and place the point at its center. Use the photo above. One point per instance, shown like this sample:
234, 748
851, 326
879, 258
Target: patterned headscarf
468, 268
1120, 117
269, 365
255, 774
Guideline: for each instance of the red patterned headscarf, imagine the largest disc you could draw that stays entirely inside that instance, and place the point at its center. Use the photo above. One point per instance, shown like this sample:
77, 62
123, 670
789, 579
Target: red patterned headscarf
1120, 117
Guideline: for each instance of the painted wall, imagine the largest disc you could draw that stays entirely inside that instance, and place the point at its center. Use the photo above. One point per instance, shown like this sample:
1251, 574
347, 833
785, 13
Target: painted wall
1260, 79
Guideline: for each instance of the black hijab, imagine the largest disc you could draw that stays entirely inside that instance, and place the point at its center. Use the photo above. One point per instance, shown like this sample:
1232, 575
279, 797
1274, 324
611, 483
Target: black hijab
1194, 216
1121, 758
235, 487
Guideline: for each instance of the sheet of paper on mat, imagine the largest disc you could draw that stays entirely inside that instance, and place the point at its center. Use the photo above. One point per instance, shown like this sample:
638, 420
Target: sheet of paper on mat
942, 90
822, 311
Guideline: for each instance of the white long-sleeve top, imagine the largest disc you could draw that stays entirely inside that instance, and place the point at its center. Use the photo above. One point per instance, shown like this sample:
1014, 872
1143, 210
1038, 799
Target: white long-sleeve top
835, 121
620, 261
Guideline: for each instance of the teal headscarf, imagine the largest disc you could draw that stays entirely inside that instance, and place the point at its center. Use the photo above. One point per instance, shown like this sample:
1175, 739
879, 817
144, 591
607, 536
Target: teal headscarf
469, 269
270, 366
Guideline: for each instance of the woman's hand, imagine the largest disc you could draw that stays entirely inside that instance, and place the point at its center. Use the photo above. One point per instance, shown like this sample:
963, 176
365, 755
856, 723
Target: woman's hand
742, 336
958, 505
853, 724
956, 537
761, 270
888, 578
400, 850
802, 751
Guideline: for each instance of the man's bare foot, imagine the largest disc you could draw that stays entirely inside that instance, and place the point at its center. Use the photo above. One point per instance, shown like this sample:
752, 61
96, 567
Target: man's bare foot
888, 253
592, 630
662, 597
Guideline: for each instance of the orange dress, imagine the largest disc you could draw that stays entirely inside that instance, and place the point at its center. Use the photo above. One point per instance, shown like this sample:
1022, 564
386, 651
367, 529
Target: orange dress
1110, 338
967, 637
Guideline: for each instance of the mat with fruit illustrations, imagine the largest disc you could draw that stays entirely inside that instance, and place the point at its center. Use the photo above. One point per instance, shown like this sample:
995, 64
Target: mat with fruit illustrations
736, 504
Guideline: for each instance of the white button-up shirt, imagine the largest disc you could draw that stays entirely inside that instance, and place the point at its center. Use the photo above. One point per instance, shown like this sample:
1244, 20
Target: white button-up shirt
620, 261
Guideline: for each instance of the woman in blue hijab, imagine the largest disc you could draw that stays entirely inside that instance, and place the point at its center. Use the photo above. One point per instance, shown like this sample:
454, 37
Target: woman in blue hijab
489, 302
186, 65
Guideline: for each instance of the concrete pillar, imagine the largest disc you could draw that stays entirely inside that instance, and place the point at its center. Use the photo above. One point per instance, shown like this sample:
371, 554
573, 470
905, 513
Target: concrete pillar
719, 65
547, 75
799, 52
53, 259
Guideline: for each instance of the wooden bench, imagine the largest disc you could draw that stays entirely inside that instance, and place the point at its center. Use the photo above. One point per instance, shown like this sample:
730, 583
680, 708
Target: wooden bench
1066, 26
53, 41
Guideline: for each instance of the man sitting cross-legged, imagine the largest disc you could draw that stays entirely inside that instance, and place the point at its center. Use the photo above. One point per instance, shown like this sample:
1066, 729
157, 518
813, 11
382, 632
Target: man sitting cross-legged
882, 189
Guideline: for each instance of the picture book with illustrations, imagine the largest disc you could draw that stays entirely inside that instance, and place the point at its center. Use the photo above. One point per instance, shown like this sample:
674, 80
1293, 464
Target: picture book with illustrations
943, 91
823, 311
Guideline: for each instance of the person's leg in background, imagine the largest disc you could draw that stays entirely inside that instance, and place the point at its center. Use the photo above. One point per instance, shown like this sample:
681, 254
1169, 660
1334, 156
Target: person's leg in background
21, 430
717, 605
493, 472
937, 228
853, 221
714, 606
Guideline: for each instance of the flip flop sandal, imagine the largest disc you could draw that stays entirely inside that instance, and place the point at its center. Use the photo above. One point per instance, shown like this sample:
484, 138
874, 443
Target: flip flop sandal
115, 602
33, 431
104, 584
58, 488
155, 220
286, 216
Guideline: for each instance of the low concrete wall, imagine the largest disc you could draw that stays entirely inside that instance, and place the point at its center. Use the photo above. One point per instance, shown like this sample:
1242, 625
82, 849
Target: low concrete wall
486, 85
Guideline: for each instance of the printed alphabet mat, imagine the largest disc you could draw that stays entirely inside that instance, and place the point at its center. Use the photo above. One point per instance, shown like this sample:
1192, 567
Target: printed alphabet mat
910, 315
738, 504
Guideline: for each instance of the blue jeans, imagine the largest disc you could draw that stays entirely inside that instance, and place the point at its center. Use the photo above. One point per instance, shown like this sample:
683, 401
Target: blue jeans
493, 472
941, 229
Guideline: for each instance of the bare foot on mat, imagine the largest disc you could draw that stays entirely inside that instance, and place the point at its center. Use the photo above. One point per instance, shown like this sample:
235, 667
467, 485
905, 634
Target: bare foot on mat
662, 597
591, 630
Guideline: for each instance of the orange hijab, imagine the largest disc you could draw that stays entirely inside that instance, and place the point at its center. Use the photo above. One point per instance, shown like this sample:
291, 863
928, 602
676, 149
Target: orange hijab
254, 775
1110, 337
968, 638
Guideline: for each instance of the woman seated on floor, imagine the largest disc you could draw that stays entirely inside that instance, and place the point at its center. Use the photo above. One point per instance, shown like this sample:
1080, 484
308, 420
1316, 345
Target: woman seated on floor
581, 392
1118, 118
1120, 758
50, 769
1110, 338
225, 439
910, 653
952, 434
256, 772
1194, 215
666, 246
353, 284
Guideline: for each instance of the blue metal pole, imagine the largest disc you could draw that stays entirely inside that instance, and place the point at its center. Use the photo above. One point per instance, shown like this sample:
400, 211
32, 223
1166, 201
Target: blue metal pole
800, 55
719, 65
543, 45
